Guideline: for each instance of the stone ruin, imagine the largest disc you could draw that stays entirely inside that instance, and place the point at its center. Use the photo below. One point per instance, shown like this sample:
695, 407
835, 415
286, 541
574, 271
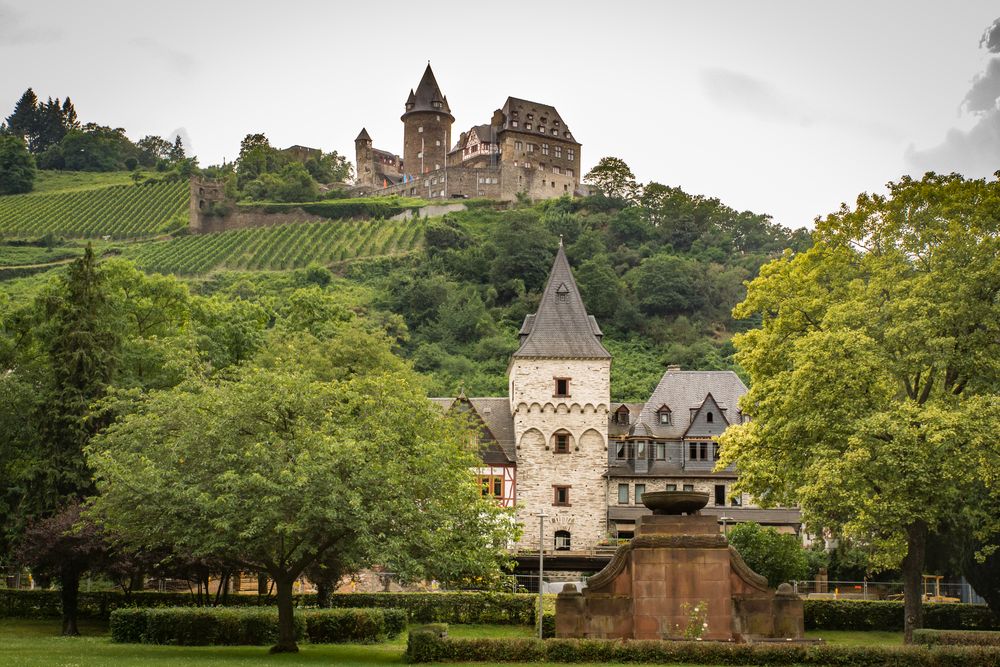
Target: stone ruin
678, 560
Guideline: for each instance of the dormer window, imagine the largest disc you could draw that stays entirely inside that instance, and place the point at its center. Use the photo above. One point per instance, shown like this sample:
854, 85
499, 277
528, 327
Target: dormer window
562, 292
621, 416
562, 388
527, 126
663, 415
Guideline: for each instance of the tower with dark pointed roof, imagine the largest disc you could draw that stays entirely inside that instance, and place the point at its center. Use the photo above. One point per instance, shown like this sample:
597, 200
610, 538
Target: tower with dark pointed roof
427, 122
560, 392
365, 159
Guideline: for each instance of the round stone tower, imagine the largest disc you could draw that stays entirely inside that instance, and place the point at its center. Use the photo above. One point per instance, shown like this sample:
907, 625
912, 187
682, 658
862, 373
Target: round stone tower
426, 127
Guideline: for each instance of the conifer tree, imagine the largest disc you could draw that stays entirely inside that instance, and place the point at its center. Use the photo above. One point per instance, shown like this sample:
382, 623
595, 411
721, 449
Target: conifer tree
69, 119
177, 152
24, 121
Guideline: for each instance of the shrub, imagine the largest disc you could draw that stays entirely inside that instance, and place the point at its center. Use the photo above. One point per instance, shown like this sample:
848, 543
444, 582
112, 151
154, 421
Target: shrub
888, 615
956, 637
127, 626
426, 646
332, 626
214, 626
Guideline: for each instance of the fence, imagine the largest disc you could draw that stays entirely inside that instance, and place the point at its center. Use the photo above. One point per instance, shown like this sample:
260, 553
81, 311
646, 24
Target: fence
882, 590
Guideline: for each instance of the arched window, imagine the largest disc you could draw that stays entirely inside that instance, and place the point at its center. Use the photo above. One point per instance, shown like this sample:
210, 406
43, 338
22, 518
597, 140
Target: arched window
709, 417
562, 540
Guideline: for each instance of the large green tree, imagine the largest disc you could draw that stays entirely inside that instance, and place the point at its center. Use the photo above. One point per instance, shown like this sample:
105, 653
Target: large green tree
282, 468
875, 372
17, 166
613, 177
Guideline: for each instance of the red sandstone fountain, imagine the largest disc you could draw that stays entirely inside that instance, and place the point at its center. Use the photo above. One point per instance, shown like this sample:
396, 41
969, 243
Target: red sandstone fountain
679, 561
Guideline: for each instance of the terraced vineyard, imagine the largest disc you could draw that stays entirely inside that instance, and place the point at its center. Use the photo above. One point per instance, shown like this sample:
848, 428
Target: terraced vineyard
286, 246
126, 211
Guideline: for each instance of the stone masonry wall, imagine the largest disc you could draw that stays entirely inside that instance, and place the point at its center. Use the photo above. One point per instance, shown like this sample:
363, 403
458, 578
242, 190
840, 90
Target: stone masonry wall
538, 415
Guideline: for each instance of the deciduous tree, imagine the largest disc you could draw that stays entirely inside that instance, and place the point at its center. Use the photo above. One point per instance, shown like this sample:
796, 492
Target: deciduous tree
874, 394
17, 166
614, 179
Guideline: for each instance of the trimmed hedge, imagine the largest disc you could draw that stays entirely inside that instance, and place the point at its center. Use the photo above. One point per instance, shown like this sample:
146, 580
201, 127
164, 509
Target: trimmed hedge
459, 607
888, 615
358, 626
956, 638
207, 626
428, 647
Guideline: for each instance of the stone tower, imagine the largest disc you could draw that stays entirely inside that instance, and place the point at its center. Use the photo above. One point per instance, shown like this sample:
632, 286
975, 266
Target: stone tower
426, 127
560, 391
365, 159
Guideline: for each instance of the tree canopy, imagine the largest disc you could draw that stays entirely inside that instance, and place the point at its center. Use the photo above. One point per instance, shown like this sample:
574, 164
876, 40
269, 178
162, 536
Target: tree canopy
280, 467
875, 371
17, 166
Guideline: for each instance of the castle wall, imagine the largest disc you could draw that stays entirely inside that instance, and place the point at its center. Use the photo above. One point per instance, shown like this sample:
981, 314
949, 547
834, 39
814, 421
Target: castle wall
538, 415
502, 183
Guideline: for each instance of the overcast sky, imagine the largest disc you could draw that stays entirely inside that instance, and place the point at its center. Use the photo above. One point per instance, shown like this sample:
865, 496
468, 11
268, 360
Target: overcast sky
786, 108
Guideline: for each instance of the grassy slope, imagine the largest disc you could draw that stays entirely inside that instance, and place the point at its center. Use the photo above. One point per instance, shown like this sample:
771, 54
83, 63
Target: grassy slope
34, 643
76, 181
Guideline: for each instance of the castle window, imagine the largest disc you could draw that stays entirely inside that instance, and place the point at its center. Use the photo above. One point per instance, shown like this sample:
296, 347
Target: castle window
720, 495
660, 451
556, 123
513, 123
639, 490
623, 494
621, 415
689, 487
541, 165
697, 451
562, 388
562, 540
567, 135
562, 443
531, 116
518, 146
420, 129
640, 450
437, 142
555, 132
709, 417
558, 150
420, 154
527, 126
570, 154
556, 170
527, 165
569, 172
560, 496
531, 148
664, 414
736, 500
541, 129
545, 149
671, 487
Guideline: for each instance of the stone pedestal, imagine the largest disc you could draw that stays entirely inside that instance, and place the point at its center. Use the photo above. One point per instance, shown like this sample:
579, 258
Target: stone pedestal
652, 584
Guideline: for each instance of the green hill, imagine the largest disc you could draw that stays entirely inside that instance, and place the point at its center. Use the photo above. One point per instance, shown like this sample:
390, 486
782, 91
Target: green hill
286, 246
118, 211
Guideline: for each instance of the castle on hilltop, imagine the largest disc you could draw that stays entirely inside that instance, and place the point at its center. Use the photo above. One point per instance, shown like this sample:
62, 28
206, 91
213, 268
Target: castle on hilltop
525, 148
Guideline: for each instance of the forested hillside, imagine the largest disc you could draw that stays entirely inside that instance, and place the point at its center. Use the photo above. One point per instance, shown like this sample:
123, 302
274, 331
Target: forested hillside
661, 274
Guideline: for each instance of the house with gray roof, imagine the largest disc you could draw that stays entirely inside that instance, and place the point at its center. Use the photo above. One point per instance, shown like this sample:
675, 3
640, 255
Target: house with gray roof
558, 445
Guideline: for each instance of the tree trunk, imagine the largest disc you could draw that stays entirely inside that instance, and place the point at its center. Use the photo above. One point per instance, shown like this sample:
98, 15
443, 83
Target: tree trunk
286, 628
323, 594
913, 570
262, 585
70, 594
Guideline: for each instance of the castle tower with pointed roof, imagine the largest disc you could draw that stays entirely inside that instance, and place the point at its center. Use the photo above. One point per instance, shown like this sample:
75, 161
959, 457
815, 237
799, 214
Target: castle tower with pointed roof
365, 159
560, 392
426, 126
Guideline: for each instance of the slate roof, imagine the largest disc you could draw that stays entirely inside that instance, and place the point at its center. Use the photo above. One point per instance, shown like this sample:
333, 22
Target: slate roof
561, 329
498, 439
682, 390
538, 111
363, 135
426, 94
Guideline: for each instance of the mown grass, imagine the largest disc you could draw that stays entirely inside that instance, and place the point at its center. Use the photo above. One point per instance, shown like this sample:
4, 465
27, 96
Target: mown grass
76, 181
36, 643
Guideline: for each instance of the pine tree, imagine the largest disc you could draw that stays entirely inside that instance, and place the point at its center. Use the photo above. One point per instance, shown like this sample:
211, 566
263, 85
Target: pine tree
69, 119
50, 127
24, 121
177, 152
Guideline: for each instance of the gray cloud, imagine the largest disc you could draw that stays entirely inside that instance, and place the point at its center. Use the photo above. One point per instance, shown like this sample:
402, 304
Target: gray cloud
14, 31
975, 152
736, 91
180, 62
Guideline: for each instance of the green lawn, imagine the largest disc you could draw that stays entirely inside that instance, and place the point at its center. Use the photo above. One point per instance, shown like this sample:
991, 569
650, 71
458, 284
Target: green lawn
36, 643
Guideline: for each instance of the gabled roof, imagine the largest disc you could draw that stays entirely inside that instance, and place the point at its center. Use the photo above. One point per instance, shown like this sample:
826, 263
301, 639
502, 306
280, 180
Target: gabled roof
497, 425
538, 112
426, 95
561, 328
684, 392
363, 136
